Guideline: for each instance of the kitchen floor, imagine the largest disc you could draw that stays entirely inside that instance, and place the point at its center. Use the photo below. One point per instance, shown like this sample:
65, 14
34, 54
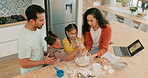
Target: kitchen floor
10, 68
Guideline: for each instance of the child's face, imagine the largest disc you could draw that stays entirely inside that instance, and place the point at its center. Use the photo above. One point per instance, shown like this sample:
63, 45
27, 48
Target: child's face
57, 43
72, 34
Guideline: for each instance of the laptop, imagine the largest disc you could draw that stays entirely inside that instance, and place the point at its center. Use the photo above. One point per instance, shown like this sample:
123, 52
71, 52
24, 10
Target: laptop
131, 50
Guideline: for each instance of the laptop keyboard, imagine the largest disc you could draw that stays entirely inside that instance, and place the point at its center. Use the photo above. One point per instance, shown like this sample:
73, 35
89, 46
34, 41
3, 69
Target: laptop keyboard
124, 51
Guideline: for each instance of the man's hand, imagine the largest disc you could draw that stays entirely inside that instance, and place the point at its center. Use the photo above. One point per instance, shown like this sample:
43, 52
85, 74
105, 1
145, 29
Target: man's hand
48, 60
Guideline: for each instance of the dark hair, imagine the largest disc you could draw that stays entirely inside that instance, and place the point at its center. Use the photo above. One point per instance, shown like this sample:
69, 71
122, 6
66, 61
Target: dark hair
98, 15
32, 11
69, 28
50, 38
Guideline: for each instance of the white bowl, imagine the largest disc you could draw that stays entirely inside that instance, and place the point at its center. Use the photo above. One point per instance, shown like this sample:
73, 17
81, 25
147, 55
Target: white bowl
83, 60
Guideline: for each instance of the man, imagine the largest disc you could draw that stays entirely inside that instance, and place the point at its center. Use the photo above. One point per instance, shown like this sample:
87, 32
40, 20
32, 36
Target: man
30, 47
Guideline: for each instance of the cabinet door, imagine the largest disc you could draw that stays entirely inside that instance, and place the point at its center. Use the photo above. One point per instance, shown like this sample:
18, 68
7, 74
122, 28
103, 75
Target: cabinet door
8, 48
10, 33
8, 40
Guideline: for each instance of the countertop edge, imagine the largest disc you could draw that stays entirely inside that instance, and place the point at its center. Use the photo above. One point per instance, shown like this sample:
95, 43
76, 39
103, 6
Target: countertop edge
12, 24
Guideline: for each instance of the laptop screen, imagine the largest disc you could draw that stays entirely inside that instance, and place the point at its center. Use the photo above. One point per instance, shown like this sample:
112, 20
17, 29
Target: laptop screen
135, 47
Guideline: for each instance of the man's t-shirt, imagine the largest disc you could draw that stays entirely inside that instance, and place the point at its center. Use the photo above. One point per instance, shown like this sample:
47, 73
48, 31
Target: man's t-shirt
30, 46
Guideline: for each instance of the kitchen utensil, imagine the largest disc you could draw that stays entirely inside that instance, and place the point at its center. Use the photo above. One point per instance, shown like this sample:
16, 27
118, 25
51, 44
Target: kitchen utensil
59, 73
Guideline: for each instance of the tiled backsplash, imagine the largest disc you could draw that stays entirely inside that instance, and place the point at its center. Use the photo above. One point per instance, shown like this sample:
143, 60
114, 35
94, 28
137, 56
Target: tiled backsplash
13, 7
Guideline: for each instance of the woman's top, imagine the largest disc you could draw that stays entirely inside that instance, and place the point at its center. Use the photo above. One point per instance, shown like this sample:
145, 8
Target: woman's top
104, 40
96, 37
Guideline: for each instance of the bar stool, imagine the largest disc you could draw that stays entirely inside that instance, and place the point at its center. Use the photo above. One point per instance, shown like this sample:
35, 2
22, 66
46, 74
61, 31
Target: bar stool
143, 27
128, 21
111, 17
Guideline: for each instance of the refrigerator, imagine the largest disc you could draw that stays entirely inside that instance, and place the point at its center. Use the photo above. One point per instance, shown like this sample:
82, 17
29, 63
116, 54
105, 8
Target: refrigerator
59, 13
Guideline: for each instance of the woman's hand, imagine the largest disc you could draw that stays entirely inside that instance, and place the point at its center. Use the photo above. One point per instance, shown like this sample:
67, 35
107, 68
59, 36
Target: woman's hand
94, 56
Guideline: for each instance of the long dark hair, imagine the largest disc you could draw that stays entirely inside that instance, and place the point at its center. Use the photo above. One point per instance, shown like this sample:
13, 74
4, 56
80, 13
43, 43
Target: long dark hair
97, 14
69, 28
50, 38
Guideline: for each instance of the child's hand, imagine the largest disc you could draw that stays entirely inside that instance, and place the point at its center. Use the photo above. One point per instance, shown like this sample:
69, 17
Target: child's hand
78, 49
74, 45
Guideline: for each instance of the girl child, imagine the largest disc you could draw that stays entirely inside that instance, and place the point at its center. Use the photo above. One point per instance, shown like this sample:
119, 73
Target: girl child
72, 44
54, 45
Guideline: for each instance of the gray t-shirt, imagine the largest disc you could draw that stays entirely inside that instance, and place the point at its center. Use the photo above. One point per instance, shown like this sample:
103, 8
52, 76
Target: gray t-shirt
57, 53
30, 45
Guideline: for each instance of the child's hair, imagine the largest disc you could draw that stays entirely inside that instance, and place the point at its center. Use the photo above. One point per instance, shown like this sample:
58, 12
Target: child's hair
50, 38
69, 28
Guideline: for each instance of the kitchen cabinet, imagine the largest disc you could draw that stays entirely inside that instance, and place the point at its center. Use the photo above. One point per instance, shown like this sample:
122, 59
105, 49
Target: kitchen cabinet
8, 40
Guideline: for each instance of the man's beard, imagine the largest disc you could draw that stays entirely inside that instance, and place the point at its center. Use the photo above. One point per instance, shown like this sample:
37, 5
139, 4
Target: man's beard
40, 27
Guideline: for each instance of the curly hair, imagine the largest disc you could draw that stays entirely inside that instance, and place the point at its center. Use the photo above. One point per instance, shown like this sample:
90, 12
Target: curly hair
96, 14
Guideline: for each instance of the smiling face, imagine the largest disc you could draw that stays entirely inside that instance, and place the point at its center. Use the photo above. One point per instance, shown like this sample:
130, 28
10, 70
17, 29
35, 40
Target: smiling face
56, 44
93, 22
72, 34
39, 22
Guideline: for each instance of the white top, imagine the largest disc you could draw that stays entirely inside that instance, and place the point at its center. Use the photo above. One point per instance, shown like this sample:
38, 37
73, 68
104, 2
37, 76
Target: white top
96, 37
30, 46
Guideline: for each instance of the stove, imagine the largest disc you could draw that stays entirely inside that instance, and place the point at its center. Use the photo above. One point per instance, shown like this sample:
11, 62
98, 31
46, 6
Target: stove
12, 19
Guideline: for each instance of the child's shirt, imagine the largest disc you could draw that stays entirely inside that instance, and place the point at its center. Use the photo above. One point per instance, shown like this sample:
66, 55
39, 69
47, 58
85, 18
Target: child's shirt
57, 53
68, 46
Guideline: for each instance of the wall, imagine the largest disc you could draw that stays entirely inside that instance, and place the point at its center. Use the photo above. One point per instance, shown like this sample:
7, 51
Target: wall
13, 7
79, 16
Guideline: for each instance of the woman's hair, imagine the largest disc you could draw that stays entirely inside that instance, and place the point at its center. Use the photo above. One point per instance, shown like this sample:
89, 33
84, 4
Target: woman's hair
69, 28
97, 14
50, 38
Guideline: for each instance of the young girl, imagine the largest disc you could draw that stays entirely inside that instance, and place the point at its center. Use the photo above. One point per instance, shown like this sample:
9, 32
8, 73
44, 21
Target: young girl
72, 44
54, 45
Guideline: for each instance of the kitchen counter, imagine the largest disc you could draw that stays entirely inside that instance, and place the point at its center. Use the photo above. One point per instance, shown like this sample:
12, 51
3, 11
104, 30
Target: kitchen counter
122, 35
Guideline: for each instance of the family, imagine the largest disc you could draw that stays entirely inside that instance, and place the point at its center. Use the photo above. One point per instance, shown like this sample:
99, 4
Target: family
95, 30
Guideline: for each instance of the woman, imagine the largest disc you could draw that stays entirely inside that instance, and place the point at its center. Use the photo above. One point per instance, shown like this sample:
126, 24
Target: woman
96, 32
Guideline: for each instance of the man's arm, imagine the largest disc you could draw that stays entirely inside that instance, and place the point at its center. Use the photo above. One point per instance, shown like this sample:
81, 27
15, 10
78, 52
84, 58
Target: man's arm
27, 63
